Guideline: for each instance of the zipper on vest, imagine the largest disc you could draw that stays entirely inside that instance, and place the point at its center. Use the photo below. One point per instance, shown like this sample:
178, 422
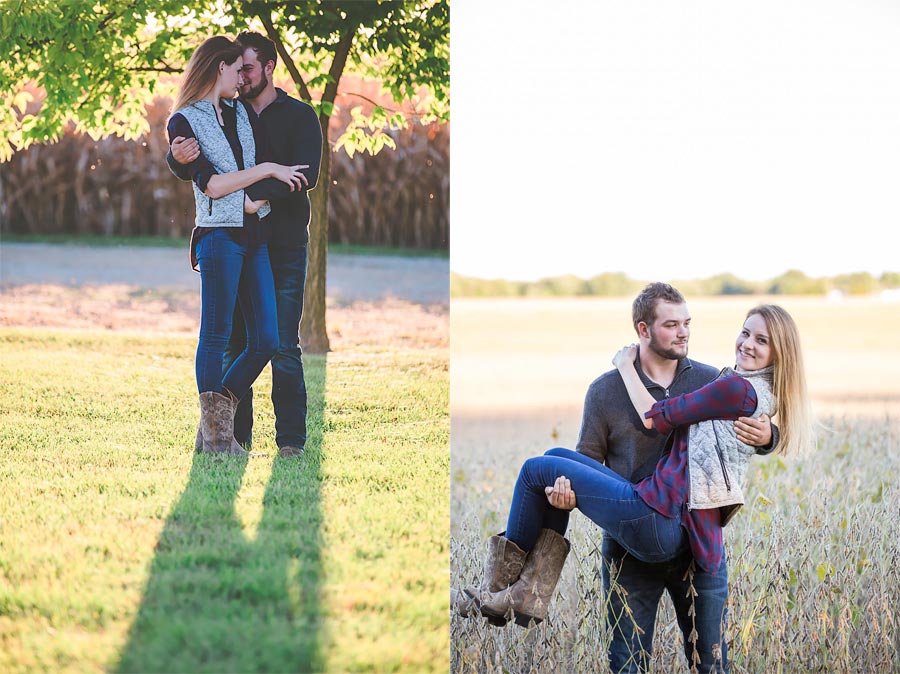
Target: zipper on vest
210, 205
724, 472
721, 458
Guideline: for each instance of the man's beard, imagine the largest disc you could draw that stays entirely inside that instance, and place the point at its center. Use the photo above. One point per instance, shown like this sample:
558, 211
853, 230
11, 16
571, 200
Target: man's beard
670, 354
253, 92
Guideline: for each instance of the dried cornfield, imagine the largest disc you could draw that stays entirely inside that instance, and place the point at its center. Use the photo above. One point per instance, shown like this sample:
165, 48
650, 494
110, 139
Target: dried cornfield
814, 570
116, 187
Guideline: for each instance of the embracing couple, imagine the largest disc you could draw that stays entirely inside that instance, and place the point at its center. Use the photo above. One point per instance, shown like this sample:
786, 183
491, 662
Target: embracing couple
663, 450
251, 161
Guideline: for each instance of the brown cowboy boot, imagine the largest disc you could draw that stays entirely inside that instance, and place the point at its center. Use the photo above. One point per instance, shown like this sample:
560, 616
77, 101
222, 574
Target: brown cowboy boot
502, 565
198, 441
529, 597
217, 424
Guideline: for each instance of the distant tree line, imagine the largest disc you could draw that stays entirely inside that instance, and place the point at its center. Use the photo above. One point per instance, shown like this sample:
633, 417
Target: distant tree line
617, 284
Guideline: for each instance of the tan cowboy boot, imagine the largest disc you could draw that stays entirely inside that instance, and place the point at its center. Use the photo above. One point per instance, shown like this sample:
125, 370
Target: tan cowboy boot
217, 424
198, 441
529, 597
502, 565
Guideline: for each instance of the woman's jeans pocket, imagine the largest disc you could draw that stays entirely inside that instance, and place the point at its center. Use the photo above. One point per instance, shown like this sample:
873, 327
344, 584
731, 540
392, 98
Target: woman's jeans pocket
651, 538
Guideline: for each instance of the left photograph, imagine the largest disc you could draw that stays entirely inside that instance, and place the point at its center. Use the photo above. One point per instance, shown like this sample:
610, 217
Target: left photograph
224, 350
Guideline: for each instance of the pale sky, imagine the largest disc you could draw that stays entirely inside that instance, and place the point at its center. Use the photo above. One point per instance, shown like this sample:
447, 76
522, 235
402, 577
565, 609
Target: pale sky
674, 140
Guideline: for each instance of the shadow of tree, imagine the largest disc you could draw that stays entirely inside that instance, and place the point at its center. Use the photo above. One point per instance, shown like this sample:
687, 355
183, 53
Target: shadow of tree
218, 602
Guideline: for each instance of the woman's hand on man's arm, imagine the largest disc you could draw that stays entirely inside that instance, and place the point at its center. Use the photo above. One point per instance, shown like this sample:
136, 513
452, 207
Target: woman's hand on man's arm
291, 175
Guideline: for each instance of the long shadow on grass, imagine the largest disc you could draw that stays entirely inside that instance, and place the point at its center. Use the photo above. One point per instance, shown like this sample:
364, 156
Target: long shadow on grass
217, 602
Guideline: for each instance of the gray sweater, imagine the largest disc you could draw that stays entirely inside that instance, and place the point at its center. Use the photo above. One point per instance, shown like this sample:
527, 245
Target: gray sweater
614, 434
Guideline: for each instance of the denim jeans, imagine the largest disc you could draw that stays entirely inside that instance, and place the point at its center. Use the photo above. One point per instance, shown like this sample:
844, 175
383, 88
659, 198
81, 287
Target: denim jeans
648, 552
605, 497
288, 385
230, 275
641, 585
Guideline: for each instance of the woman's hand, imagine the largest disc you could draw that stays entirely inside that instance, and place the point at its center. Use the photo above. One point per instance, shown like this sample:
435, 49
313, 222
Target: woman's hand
560, 495
289, 174
252, 206
626, 356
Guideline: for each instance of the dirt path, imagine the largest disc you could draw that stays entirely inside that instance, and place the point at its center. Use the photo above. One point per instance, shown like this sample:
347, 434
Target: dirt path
371, 299
422, 280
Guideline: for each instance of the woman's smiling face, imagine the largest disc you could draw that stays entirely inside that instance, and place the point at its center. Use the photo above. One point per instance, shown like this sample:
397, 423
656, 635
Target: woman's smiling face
753, 349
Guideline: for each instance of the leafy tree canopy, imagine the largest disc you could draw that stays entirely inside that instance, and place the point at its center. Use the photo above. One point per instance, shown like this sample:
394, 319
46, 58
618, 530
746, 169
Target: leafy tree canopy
97, 62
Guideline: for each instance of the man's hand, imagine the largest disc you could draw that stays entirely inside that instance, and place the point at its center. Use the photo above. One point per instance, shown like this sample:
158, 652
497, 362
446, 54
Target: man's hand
252, 206
560, 494
754, 432
185, 150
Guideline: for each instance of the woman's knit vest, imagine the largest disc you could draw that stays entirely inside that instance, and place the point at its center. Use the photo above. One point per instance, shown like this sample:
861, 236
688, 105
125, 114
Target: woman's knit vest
227, 211
717, 460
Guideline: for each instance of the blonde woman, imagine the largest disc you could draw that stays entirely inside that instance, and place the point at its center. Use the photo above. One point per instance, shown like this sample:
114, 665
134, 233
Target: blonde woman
228, 243
694, 491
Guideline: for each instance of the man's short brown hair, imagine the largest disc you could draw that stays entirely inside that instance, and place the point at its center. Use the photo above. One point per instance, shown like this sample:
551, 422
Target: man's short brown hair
643, 309
263, 46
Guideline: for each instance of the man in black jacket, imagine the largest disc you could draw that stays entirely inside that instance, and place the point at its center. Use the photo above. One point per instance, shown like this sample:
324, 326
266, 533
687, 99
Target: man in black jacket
296, 139
612, 434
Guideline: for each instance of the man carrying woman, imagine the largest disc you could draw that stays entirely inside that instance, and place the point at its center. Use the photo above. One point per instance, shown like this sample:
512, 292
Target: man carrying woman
666, 522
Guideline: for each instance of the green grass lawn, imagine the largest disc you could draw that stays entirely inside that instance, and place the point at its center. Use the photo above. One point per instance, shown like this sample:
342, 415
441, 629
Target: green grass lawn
121, 550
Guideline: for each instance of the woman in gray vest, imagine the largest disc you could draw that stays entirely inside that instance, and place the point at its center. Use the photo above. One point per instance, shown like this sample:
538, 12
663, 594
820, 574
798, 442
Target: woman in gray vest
694, 491
228, 243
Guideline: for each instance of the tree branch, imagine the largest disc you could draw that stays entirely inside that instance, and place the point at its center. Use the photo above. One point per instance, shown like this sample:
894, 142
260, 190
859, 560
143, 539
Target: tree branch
275, 37
407, 115
341, 52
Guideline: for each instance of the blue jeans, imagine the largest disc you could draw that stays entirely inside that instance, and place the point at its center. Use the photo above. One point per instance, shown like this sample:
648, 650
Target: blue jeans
231, 275
650, 554
288, 385
641, 585
605, 497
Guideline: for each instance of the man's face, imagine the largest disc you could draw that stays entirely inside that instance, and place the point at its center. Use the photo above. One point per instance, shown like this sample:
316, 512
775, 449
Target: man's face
671, 329
254, 73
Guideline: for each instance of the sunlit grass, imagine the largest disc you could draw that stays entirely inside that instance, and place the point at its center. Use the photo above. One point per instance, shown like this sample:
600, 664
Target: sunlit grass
814, 571
120, 549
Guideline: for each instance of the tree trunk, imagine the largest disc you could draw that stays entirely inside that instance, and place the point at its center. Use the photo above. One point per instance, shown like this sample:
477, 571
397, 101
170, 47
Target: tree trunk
313, 332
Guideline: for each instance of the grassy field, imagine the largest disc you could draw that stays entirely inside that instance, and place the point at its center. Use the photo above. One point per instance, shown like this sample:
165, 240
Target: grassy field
814, 555
121, 550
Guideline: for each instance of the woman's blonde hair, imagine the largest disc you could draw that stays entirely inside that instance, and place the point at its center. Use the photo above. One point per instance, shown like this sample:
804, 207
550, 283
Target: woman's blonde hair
795, 422
202, 70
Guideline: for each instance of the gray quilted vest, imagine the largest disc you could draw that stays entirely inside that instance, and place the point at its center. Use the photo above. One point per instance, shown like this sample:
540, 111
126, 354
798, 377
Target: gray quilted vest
227, 211
717, 460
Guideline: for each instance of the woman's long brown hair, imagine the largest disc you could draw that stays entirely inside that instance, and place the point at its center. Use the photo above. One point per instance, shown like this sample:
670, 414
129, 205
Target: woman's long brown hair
202, 70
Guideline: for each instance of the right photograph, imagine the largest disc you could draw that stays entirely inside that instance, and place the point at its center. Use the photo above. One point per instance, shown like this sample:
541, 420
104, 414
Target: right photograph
675, 339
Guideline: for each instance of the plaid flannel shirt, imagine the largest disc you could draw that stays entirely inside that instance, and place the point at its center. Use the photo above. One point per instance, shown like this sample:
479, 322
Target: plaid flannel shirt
666, 490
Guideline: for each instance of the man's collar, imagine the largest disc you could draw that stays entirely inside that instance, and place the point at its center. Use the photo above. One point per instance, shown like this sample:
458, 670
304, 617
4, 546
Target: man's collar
280, 95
